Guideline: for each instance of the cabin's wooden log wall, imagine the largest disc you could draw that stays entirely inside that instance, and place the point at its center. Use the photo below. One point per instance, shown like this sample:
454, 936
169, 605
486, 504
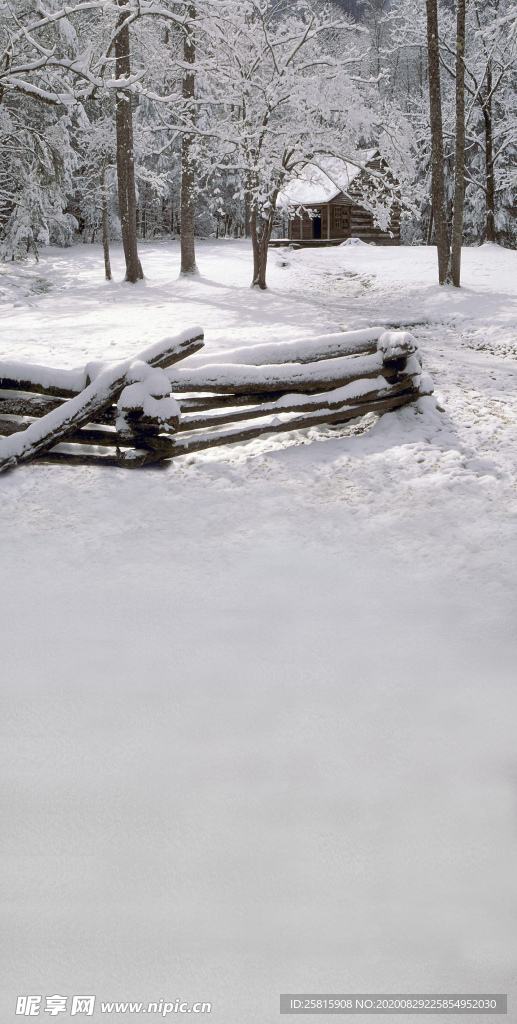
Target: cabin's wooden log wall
355, 222
233, 398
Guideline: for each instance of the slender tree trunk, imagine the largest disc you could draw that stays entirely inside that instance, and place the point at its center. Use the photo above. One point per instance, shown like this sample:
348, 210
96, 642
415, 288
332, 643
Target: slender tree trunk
459, 165
188, 171
437, 164
247, 215
261, 228
125, 155
255, 243
105, 229
430, 227
489, 154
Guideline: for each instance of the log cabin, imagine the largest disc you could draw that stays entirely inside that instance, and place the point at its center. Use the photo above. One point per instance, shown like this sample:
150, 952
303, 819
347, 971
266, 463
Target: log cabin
323, 204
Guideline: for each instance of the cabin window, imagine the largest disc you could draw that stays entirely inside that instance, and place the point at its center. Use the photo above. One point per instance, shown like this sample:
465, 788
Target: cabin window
337, 217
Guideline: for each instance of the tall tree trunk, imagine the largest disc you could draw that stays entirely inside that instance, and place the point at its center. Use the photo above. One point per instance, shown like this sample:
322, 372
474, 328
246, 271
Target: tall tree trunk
105, 228
437, 166
459, 165
430, 227
188, 171
125, 154
489, 154
261, 228
247, 215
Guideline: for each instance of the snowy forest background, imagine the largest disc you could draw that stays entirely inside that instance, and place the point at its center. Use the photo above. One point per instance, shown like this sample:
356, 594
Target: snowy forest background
233, 96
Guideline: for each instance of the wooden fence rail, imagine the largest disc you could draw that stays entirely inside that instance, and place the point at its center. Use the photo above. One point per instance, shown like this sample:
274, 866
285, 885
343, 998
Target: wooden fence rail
147, 409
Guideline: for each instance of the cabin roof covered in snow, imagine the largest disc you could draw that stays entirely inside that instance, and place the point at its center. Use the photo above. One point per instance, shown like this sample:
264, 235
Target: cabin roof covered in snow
322, 181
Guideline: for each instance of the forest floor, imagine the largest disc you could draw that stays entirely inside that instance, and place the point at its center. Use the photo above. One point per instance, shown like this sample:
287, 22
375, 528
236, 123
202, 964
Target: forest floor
260, 705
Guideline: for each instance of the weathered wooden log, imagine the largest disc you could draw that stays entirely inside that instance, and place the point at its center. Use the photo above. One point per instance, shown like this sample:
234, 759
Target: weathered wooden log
137, 423
327, 374
312, 350
11, 425
82, 455
57, 425
47, 380
158, 447
206, 401
107, 417
98, 437
94, 434
43, 380
181, 445
19, 403
23, 404
90, 435
203, 402
373, 389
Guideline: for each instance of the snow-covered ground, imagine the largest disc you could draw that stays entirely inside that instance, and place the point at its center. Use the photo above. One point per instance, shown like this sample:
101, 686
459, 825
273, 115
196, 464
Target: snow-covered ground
259, 706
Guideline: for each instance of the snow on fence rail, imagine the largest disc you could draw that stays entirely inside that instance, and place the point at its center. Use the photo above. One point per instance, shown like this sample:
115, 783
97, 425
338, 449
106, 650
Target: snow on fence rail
147, 409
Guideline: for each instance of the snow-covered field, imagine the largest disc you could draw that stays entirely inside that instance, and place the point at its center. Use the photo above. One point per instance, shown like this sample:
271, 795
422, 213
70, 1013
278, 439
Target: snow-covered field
259, 706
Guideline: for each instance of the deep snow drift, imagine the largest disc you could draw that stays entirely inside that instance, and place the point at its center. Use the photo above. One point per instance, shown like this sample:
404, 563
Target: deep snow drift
259, 706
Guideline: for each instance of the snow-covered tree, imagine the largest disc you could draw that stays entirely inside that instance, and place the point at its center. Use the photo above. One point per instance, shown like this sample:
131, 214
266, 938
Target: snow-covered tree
490, 113
281, 89
36, 168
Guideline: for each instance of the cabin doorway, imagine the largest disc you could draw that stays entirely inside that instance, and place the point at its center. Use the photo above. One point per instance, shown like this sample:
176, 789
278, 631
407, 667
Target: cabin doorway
316, 227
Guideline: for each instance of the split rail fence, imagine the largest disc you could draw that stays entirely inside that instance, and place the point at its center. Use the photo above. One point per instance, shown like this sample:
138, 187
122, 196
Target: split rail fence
148, 409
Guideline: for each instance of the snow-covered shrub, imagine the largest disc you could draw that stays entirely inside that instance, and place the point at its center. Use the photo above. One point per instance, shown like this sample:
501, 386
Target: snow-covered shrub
37, 164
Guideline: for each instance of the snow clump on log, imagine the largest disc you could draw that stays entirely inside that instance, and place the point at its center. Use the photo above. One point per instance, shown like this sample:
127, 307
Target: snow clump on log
149, 391
395, 344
